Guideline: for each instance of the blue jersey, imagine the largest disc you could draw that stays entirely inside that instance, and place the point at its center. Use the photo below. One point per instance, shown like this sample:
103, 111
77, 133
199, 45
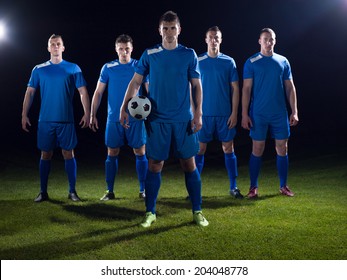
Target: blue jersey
169, 74
117, 76
217, 74
268, 74
57, 83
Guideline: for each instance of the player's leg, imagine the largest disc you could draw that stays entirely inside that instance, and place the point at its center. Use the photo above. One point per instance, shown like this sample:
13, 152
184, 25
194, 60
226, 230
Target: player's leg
136, 136
205, 135
200, 157
280, 131
157, 149
114, 139
44, 168
186, 146
111, 170
71, 171
141, 169
46, 142
254, 166
258, 133
67, 140
230, 161
226, 135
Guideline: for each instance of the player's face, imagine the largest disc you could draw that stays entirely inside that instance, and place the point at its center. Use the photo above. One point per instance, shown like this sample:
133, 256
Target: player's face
267, 43
213, 40
56, 47
124, 51
169, 31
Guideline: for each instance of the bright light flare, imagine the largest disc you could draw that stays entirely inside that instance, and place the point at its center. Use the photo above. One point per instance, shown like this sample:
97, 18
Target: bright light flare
2, 31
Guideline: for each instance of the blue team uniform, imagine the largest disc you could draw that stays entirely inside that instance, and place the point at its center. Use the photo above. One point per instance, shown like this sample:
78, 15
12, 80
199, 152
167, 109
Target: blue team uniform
169, 124
57, 83
117, 76
169, 73
216, 76
268, 109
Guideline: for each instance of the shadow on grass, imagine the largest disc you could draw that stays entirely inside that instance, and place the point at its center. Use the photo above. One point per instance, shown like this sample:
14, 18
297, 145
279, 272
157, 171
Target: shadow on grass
213, 202
79, 244
104, 211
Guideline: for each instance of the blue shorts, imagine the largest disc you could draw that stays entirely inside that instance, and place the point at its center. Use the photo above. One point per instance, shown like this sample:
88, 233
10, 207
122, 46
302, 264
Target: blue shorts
116, 135
276, 125
51, 135
216, 128
161, 137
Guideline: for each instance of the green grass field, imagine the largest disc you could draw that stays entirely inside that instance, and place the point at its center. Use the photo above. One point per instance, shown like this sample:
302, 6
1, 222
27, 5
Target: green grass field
312, 225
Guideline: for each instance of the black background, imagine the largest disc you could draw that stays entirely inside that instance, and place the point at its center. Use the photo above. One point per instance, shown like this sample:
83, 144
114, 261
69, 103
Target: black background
312, 34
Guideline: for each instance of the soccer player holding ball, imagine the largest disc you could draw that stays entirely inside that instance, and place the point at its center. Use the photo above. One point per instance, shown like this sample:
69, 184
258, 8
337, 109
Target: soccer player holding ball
267, 83
172, 70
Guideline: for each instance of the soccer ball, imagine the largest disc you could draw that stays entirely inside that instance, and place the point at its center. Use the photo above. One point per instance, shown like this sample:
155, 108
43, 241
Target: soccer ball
139, 107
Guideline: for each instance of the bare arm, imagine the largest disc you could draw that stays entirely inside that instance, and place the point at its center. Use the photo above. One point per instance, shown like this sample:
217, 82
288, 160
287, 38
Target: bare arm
197, 104
291, 96
246, 121
232, 121
86, 106
133, 88
28, 100
97, 96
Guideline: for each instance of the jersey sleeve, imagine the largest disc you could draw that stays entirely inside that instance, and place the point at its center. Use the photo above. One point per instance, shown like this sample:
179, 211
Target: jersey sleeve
79, 79
104, 77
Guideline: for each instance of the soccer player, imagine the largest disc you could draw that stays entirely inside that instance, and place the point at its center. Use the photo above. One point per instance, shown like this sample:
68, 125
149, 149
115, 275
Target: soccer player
172, 70
220, 84
116, 76
267, 83
57, 80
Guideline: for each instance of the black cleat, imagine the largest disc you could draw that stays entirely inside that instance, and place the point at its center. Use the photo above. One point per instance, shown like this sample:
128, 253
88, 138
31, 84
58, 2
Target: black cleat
73, 196
41, 197
108, 196
142, 195
236, 193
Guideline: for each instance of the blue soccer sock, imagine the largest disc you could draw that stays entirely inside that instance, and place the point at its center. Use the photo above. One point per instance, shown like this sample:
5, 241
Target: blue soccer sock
231, 166
45, 168
153, 182
111, 170
282, 168
141, 169
199, 161
254, 169
71, 170
193, 185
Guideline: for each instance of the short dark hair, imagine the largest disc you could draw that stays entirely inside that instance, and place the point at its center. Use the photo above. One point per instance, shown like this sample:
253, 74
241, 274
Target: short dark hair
55, 36
214, 28
267, 30
169, 16
124, 38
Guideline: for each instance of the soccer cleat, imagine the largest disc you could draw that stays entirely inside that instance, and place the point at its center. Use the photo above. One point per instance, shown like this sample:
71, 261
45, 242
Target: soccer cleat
253, 192
108, 196
286, 191
236, 193
73, 196
142, 195
41, 197
199, 219
148, 219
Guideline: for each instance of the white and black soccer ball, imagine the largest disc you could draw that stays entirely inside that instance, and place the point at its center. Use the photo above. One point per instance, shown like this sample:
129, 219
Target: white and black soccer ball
139, 107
